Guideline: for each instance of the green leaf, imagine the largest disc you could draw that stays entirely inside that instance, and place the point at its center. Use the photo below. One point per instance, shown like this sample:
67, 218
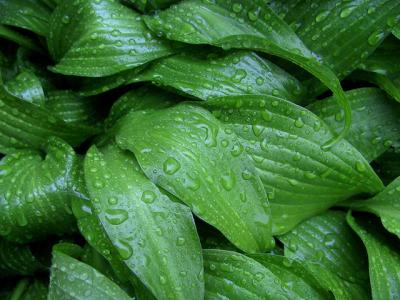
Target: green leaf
383, 68
26, 86
388, 165
376, 120
72, 279
260, 29
25, 125
329, 249
149, 5
285, 143
16, 37
230, 275
342, 33
206, 75
155, 237
383, 257
143, 98
103, 38
72, 108
385, 205
36, 290
32, 15
34, 194
17, 260
187, 152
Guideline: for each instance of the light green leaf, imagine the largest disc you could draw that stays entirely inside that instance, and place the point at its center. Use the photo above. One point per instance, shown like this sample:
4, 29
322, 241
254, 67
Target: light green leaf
144, 98
376, 120
17, 260
206, 75
284, 141
32, 15
231, 275
34, 194
103, 38
72, 279
155, 237
383, 258
385, 205
26, 86
189, 153
25, 125
216, 23
329, 249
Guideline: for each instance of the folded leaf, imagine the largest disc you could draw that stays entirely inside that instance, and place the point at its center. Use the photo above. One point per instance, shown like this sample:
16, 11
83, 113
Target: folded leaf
137, 218
143, 98
342, 33
72, 279
231, 275
330, 250
376, 120
383, 257
187, 152
247, 25
385, 205
207, 75
36, 290
25, 125
34, 193
284, 141
32, 15
103, 38
17, 260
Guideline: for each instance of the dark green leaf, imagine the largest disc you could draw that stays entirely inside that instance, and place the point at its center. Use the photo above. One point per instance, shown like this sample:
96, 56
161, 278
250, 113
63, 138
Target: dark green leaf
343, 33
388, 165
99, 38
259, 28
284, 141
207, 75
329, 249
25, 125
383, 258
72, 279
27, 14
17, 260
376, 120
155, 237
149, 5
189, 153
16, 37
36, 290
230, 275
34, 192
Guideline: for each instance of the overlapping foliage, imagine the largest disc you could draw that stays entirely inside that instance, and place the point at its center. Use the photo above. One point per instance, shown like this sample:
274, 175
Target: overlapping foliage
199, 149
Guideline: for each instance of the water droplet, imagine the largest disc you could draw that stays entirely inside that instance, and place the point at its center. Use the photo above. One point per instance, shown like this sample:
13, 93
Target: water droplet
228, 181
376, 37
124, 249
148, 196
310, 175
299, 123
21, 219
275, 103
257, 130
239, 75
259, 81
112, 201
171, 166
243, 197
347, 11
116, 216
371, 10
266, 115
253, 15
360, 166
237, 149
66, 19
329, 239
237, 7
246, 175
321, 16
163, 280
180, 241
